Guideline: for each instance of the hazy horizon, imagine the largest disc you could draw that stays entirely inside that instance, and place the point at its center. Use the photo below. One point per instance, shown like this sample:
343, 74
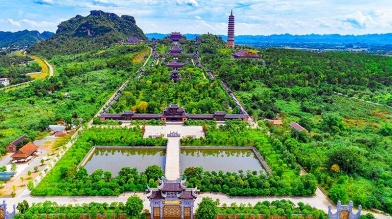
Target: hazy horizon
253, 17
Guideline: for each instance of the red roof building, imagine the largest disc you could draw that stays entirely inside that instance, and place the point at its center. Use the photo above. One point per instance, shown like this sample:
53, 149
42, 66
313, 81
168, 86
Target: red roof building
25, 152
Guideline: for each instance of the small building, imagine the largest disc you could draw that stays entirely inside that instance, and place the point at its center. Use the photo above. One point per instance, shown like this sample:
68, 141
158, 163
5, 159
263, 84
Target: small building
243, 54
133, 40
11, 148
57, 128
297, 127
25, 152
172, 199
4, 81
275, 122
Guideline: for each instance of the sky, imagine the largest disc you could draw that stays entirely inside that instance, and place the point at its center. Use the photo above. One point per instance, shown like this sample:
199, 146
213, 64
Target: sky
253, 17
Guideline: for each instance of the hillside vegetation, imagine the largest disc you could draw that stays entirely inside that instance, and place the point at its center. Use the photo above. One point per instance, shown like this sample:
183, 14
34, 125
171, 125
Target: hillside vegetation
90, 33
82, 84
348, 143
22, 38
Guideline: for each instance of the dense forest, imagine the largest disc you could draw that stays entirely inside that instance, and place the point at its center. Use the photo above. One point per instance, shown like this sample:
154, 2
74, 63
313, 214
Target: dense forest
64, 97
348, 138
156, 91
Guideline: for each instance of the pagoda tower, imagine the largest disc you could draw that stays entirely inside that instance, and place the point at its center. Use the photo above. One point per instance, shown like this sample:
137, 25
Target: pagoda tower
230, 31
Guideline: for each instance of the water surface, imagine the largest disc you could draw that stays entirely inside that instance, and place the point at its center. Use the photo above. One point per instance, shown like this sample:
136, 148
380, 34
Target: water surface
115, 159
227, 160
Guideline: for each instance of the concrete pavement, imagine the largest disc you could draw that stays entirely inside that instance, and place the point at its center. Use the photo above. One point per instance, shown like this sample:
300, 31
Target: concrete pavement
172, 166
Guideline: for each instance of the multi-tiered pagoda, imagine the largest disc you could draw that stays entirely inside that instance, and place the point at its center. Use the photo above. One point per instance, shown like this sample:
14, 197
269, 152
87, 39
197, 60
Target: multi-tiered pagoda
230, 31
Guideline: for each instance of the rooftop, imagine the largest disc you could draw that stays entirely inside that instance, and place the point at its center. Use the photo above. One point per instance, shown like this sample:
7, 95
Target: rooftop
25, 151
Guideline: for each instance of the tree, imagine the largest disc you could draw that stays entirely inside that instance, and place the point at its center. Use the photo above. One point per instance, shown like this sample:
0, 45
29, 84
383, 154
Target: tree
349, 159
207, 209
29, 173
23, 206
133, 206
36, 169
13, 167
42, 162
142, 107
154, 172
30, 185
335, 168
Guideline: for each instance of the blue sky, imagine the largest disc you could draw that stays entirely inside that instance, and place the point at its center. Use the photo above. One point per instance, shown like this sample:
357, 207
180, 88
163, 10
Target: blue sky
262, 17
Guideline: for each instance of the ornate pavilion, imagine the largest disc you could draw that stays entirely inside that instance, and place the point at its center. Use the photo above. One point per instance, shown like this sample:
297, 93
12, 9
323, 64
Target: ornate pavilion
172, 200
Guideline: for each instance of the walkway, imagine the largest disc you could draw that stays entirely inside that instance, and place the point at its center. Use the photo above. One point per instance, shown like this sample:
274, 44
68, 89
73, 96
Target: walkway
51, 71
172, 167
315, 201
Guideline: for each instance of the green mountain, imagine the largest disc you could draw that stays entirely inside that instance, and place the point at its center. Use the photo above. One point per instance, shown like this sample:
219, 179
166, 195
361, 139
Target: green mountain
93, 32
22, 38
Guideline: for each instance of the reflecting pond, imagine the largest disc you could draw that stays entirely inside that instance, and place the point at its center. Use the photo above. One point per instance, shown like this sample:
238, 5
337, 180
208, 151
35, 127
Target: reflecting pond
227, 160
115, 159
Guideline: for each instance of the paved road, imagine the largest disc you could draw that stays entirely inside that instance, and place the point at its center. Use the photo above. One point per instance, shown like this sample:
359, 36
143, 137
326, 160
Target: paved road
314, 201
51, 71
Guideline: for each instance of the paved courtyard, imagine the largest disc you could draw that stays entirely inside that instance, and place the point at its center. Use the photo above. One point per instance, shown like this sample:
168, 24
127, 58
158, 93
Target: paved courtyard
184, 131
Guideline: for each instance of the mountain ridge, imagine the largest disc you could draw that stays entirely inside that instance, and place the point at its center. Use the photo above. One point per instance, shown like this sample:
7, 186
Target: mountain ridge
94, 31
22, 38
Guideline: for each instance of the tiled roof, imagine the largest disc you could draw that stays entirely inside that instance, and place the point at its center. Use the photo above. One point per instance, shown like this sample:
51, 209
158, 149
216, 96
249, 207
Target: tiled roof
25, 151
220, 113
200, 116
276, 122
246, 54
296, 126
171, 187
235, 116
18, 140
156, 195
187, 195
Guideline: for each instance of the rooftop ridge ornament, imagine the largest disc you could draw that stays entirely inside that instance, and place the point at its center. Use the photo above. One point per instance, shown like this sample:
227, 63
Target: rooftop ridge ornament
344, 211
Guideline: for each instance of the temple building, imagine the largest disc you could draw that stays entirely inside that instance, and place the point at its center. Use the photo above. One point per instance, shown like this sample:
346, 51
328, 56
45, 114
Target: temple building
175, 36
175, 50
175, 76
246, 54
173, 113
172, 199
344, 211
230, 31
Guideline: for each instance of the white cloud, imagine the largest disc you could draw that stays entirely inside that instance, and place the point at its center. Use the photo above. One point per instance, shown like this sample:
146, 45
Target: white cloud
14, 23
358, 20
44, 2
193, 3
38, 24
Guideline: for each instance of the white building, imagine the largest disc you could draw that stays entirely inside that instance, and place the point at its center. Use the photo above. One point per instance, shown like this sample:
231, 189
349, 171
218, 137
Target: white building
5, 81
